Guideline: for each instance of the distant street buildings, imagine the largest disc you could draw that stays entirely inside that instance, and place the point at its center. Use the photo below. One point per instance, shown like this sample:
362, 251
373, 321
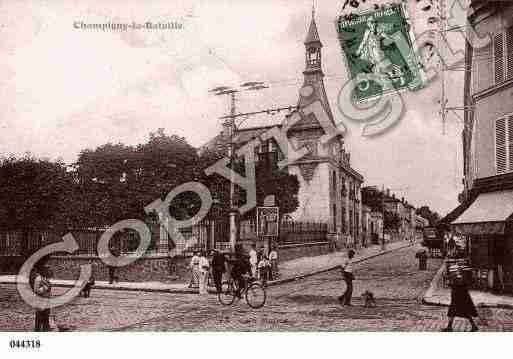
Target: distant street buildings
394, 218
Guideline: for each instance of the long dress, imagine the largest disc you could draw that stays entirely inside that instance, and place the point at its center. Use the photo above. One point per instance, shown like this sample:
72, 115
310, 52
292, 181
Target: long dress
203, 275
461, 303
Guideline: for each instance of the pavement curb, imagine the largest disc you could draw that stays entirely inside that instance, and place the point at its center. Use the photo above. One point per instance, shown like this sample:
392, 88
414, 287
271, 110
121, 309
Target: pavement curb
430, 298
427, 298
123, 288
212, 291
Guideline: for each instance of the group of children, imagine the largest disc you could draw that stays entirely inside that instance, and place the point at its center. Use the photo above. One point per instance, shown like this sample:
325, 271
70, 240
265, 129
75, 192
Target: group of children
266, 267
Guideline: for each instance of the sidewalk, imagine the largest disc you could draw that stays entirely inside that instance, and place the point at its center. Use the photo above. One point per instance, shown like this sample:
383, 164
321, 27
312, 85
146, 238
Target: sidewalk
137, 286
438, 295
289, 271
307, 266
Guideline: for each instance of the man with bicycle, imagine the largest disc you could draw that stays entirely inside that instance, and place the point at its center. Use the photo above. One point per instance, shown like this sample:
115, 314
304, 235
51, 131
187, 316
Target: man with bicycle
240, 267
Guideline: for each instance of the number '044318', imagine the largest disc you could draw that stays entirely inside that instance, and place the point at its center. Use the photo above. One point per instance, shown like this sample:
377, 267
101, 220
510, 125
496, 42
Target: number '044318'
25, 344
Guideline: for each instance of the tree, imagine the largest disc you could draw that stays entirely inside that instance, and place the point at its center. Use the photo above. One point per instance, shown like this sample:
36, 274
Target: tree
373, 198
285, 187
116, 181
269, 181
391, 220
162, 164
102, 194
431, 216
33, 192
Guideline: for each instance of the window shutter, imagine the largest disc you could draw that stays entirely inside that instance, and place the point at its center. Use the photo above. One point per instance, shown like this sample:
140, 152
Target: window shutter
509, 53
498, 55
510, 141
500, 145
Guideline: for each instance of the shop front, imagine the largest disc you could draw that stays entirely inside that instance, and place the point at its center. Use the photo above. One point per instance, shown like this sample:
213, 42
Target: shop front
487, 225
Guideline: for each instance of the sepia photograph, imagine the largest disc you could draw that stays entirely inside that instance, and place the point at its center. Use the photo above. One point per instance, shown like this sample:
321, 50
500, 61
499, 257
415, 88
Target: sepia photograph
268, 166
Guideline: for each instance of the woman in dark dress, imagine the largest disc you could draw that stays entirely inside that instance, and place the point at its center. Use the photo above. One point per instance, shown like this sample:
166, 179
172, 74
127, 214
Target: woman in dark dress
461, 304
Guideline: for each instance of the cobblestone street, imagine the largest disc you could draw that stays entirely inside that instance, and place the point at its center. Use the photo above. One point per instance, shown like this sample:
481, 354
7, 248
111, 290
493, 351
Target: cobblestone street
308, 304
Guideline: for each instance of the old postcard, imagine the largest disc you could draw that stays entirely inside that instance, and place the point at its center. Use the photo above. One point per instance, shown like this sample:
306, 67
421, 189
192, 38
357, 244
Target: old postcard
263, 166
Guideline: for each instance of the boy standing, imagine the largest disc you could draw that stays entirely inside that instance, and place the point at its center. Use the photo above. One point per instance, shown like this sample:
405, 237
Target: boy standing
347, 271
43, 288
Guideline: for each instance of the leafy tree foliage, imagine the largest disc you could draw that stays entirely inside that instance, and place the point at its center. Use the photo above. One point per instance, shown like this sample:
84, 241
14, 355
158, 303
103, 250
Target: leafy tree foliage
33, 192
115, 182
118, 181
269, 181
391, 220
428, 214
373, 198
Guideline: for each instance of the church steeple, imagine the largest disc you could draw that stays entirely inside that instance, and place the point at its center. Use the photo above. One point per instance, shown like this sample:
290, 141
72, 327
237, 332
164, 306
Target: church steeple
313, 47
313, 86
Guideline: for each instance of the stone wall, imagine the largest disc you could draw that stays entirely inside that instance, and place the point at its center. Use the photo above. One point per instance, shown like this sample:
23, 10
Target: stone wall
293, 251
11, 264
146, 269
164, 268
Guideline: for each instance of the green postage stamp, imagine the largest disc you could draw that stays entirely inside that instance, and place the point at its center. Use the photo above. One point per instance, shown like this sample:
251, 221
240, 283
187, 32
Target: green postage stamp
377, 43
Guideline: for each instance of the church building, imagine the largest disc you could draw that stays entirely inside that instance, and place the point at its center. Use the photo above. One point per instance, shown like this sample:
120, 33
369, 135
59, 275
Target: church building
329, 187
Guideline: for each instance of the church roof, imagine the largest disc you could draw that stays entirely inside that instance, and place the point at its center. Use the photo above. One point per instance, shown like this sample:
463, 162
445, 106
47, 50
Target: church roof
245, 135
242, 136
313, 34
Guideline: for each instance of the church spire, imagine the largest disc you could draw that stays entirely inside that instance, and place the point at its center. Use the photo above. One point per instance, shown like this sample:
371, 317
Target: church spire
313, 47
313, 86
313, 34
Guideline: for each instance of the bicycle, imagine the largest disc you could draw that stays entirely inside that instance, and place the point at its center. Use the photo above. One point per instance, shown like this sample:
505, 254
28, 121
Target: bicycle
253, 292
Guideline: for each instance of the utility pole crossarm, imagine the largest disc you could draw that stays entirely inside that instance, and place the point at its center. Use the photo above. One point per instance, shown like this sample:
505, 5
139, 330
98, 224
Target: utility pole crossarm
229, 125
269, 110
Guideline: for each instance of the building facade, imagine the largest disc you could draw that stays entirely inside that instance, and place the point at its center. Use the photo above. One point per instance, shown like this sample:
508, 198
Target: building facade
366, 226
329, 186
329, 190
487, 200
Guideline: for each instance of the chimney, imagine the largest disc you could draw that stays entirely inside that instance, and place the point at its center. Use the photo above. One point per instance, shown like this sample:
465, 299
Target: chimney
388, 192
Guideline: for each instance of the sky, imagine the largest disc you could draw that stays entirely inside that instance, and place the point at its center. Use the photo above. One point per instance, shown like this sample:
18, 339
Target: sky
64, 89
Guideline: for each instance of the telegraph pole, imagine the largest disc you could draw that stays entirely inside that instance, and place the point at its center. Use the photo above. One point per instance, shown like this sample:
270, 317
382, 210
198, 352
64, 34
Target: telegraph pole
383, 211
443, 34
444, 29
229, 131
229, 125
230, 128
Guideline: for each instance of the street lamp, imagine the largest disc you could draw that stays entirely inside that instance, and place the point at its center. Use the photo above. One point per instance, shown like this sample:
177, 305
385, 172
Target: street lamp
230, 129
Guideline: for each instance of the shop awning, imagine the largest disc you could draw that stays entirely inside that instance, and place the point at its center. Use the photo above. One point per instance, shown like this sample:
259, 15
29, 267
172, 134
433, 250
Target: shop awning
453, 215
487, 215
